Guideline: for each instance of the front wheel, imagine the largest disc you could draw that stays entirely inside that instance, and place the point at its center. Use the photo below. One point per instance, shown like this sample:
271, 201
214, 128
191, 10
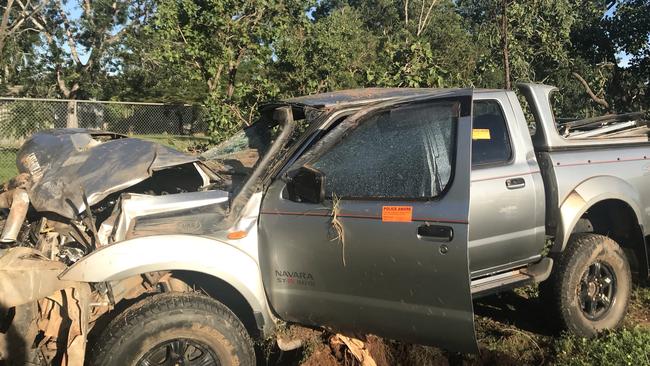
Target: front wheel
591, 285
174, 329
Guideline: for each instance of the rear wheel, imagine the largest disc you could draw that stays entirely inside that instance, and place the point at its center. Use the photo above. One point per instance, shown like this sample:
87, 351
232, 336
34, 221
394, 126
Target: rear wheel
174, 329
590, 286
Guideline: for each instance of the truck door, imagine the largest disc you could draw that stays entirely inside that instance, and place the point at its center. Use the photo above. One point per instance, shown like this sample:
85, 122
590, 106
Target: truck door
506, 191
385, 251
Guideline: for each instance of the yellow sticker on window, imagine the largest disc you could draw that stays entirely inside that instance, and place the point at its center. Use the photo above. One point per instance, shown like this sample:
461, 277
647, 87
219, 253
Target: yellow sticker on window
480, 134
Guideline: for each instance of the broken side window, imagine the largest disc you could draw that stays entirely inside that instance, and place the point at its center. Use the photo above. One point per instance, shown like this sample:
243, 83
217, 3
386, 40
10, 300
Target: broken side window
406, 152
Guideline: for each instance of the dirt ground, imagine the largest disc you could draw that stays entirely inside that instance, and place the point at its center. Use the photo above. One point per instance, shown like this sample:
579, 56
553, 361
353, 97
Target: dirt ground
512, 329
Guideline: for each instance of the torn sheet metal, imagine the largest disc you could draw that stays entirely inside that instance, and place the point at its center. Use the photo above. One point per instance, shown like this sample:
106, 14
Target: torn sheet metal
53, 321
198, 213
63, 321
25, 275
65, 164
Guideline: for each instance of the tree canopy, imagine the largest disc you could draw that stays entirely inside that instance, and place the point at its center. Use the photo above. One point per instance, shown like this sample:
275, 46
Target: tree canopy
231, 55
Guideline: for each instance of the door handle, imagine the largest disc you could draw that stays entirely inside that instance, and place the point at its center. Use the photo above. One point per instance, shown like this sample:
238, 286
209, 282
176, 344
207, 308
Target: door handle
437, 233
515, 183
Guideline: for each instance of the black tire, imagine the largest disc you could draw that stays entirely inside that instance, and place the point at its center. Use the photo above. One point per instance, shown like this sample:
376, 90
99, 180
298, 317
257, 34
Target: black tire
592, 269
158, 326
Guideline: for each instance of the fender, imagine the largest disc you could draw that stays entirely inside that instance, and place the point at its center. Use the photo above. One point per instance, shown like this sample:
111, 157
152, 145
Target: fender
177, 252
588, 193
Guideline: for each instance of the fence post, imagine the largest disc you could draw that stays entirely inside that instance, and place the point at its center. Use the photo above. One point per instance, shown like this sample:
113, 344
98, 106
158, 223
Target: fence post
72, 121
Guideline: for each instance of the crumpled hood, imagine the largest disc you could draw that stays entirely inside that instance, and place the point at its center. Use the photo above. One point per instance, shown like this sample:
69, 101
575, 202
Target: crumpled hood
65, 164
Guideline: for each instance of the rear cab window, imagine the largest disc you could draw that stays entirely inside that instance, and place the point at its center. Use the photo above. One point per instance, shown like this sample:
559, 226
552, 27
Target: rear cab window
490, 138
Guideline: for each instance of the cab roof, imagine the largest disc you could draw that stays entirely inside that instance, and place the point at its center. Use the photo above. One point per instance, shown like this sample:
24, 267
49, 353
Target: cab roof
364, 96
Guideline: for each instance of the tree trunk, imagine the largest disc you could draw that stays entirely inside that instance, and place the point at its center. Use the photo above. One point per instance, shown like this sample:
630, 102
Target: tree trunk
4, 24
504, 44
5, 74
72, 120
70, 94
178, 111
232, 74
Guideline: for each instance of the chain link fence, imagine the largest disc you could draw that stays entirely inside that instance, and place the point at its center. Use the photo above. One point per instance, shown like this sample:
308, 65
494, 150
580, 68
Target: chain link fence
177, 125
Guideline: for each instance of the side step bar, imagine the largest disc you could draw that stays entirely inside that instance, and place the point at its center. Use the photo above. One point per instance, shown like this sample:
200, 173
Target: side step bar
533, 273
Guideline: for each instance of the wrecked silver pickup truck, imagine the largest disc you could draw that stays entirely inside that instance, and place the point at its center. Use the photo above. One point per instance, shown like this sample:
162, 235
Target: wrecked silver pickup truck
380, 211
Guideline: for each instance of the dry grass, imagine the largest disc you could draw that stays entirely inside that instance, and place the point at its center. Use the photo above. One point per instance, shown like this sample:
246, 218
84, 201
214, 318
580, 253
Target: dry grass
338, 225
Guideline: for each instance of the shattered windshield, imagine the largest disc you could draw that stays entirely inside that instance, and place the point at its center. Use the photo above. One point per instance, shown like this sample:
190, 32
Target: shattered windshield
242, 150
235, 158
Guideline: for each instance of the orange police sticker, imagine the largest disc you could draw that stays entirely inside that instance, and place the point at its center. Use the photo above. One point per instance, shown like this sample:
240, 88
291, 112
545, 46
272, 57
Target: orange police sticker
397, 214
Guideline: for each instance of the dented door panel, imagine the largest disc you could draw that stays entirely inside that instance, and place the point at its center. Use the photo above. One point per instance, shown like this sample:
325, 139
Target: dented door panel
396, 268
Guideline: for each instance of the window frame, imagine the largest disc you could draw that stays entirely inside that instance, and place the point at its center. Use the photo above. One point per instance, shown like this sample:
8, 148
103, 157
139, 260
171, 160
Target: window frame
308, 141
513, 154
453, 150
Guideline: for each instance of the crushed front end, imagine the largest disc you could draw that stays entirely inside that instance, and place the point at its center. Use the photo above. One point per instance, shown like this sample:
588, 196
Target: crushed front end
77, 191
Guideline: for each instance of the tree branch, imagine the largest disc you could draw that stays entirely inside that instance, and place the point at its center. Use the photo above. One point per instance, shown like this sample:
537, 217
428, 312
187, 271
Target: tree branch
69, 37
420, 19
88, 8
42, 29
180, 31
406, 11
67, 93
100, 41
4, 24
426, 18
600, 101
213, 82
232, 73
25, 15
114, 38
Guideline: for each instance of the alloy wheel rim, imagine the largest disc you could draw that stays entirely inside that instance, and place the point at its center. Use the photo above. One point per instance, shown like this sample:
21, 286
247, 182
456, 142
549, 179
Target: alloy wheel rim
180, 352
597, 290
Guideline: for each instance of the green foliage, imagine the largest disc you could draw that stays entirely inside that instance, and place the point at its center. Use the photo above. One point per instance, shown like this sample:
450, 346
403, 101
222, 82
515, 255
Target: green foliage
630, 26
23, 118
642, 296
227, 45
232, 55
117, 115
538, 35
625, 347
18, 43
8, 168
629, 31
374, 43
329, 53
81, 41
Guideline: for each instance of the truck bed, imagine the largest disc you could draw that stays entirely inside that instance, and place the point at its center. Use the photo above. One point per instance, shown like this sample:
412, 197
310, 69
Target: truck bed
630, 125
587, 161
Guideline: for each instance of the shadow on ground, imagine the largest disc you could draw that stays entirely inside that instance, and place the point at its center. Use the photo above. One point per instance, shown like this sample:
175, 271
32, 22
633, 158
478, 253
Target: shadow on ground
527, 314
512, 328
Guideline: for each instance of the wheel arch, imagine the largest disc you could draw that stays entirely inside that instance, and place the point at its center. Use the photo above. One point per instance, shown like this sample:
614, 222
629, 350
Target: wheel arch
618, 201
586, 195
207, 263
